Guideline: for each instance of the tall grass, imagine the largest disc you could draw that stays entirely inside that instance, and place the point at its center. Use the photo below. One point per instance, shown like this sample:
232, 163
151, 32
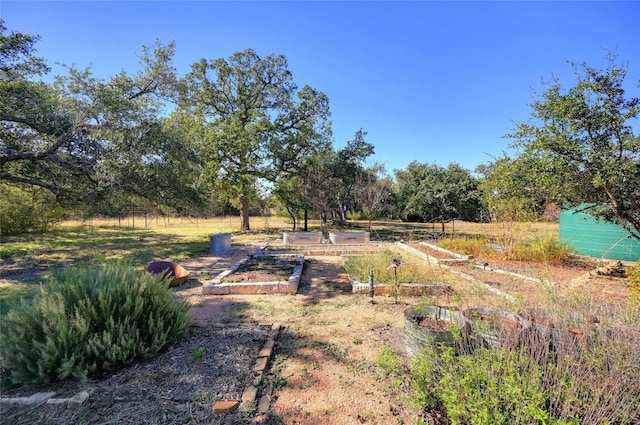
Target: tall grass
535, 247
411, 270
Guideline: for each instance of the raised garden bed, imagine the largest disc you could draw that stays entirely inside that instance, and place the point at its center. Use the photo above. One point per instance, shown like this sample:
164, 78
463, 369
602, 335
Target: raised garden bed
259, 274
349, 238
429, 325
301, 238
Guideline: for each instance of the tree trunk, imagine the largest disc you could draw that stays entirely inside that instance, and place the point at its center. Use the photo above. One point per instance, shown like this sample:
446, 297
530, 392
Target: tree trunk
343, 213
244, 213
293, 217
306, 220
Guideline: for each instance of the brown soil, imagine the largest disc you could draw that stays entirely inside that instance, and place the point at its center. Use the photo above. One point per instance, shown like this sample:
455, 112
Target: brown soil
263, 269
325, 367
435, 324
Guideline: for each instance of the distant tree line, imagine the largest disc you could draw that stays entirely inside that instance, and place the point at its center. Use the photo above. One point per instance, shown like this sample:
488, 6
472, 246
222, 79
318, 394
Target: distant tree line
240, 133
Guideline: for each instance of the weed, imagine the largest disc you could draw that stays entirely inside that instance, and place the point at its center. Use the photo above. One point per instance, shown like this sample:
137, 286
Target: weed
390, 362
201, 396
411, 270
357, 340
198, 353
534, 377
278, 380
634, 281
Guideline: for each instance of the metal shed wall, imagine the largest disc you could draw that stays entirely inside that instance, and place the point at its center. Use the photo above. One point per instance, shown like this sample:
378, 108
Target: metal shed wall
587, 235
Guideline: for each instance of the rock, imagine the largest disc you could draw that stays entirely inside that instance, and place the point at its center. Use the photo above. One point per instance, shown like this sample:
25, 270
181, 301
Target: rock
222, 407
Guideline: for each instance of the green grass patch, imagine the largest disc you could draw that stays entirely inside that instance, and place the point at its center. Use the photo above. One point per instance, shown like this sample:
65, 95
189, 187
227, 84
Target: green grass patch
13, 293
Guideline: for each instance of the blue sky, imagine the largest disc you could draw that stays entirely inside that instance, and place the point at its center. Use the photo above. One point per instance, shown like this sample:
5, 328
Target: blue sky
433, 82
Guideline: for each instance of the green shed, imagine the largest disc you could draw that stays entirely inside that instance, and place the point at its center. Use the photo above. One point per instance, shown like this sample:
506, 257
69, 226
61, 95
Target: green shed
587, 235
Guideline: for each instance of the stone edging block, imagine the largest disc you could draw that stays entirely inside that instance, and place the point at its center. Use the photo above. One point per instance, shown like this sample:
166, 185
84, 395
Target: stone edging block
250, 395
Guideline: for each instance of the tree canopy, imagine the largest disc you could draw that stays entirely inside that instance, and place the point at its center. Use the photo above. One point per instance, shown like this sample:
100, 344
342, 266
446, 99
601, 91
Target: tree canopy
256, 123
435, 193
85, 138
581, 146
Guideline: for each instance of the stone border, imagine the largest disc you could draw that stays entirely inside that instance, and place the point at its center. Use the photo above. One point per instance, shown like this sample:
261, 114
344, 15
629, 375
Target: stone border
321, 250
260, 386
457, 258
450, 269
290, 286
72, 403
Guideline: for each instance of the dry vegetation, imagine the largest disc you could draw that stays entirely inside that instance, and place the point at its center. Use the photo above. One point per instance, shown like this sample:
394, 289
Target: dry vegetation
337, 360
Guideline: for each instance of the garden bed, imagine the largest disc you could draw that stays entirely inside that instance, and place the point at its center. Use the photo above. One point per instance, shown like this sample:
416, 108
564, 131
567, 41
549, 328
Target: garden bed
259, 274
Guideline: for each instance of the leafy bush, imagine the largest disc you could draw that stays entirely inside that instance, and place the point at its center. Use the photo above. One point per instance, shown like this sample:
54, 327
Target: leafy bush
85, 321
22, 210
389, 362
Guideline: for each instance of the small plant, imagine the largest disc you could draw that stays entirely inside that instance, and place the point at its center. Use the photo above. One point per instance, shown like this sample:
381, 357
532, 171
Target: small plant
357, 340
390, 362
198, 353
278, 380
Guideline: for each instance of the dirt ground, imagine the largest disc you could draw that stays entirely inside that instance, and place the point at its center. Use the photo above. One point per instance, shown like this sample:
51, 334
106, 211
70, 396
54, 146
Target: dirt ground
324, 370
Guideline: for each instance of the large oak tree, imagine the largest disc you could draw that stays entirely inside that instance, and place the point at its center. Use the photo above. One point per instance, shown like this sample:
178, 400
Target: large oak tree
255, 125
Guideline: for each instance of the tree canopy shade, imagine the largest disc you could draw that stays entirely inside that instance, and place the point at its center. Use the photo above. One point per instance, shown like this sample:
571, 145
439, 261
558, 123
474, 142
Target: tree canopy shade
255, 123
581, 146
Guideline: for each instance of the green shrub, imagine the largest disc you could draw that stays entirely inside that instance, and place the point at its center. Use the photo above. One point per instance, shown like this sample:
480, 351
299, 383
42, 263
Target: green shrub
489, 387
389, 362
24, 209
86, 321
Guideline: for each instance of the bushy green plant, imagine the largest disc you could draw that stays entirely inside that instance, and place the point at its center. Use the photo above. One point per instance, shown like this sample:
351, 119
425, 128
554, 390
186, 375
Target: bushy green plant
24, 209
89, 320
390, 362
489, 387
